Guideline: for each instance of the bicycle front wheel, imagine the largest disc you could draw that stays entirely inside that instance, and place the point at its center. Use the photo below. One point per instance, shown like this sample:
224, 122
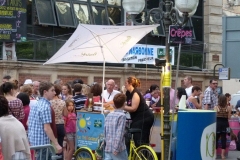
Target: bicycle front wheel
84, 153
145, 153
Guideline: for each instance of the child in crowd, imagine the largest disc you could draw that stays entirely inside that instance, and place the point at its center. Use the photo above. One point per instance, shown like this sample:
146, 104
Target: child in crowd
155, 98
115, 122
233, 142
70, 128
26, 101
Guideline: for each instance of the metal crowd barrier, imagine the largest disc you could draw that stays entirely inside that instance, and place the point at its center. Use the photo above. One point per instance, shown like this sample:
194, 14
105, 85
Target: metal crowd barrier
49, 149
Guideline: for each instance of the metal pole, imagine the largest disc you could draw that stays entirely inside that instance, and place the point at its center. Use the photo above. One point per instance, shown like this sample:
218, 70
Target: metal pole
173, 103
167, 79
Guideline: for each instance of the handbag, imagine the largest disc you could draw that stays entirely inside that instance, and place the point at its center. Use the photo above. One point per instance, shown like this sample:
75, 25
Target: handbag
232, 146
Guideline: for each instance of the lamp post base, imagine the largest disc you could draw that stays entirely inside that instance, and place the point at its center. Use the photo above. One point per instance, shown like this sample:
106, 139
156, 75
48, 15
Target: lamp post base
166, 122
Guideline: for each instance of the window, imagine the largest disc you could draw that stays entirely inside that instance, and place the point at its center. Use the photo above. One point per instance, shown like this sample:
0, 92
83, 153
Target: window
190, 59
198, 28
44, 49
82, 15
64, 12
25, 50
45, 12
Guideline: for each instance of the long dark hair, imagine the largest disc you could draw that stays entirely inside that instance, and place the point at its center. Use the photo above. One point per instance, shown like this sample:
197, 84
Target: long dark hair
181, 91
222, 100
3, 106
6, 88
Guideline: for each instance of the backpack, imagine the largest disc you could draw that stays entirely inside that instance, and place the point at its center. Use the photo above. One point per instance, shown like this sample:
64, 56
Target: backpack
238, 141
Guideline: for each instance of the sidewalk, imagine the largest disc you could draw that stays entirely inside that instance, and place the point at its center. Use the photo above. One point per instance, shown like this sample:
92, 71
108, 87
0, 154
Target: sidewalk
232, 155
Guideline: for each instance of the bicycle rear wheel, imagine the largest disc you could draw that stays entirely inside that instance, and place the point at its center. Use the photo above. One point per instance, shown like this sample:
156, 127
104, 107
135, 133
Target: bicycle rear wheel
145, 153
84, 153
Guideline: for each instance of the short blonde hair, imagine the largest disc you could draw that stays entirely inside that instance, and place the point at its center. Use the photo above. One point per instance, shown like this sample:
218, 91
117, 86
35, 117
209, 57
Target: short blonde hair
85, 89
27, 88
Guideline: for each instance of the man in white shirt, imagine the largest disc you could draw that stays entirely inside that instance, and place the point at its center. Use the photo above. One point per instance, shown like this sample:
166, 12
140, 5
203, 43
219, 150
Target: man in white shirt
109, 93
188, 84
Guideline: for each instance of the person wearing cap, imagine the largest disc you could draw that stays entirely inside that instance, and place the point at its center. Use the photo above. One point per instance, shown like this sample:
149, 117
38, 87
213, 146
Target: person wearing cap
28, 81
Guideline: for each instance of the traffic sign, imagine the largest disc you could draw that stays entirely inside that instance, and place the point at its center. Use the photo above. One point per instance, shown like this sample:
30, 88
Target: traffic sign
224, 73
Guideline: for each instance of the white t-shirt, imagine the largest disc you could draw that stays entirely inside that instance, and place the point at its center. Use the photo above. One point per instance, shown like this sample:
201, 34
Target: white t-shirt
109, 96
189, 91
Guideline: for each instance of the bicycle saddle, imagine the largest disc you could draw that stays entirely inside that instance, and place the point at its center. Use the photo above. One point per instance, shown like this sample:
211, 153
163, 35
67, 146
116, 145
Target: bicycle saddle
134, 130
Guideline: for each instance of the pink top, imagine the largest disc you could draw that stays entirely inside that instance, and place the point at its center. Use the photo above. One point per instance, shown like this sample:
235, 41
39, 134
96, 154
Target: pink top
70, 123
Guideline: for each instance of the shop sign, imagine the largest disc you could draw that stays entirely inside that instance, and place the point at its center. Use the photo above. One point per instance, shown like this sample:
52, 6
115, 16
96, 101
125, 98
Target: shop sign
13, 20
146, 54
178, 34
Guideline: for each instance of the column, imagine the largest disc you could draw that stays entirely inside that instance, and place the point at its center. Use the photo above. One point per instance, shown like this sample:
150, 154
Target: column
213, 32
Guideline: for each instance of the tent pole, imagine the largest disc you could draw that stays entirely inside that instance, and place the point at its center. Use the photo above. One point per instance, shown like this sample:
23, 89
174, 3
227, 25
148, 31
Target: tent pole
103, 72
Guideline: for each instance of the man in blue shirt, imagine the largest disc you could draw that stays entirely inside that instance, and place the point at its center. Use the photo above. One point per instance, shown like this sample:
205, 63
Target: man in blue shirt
39, 120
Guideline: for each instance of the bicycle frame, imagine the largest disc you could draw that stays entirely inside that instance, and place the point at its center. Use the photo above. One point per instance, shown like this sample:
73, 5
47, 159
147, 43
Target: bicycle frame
133, 149
134, 154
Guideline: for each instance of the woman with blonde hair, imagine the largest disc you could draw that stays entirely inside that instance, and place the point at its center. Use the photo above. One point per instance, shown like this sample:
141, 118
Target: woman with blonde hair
28, 89
85, 89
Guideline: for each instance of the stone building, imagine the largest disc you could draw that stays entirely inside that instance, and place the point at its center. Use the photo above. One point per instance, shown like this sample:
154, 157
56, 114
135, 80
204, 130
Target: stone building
45, 37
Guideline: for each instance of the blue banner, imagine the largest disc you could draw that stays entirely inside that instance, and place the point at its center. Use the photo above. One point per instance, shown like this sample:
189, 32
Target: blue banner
196, 135
90, 128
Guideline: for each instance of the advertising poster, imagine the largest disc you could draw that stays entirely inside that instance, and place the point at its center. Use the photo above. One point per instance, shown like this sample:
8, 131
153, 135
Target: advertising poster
13, 20
146, 54
196, 135
90, 128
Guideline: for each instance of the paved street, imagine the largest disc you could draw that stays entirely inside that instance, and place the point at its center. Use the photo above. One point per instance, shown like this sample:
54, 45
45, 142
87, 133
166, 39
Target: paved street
232, 155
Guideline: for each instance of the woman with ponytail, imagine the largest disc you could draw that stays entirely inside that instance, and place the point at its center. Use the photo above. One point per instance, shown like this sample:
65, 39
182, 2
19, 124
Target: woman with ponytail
15, 104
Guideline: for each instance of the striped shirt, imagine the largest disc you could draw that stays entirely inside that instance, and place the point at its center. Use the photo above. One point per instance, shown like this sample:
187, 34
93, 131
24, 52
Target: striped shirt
38, 116
114, 131
79, 101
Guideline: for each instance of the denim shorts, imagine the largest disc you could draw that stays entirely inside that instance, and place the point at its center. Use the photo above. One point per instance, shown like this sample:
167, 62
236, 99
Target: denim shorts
120, 156
70, 136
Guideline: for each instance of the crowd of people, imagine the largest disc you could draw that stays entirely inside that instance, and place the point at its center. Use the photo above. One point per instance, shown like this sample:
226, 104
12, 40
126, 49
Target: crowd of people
38, 113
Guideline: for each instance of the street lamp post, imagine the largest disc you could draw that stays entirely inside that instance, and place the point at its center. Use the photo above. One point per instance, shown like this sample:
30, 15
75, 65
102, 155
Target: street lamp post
170, 16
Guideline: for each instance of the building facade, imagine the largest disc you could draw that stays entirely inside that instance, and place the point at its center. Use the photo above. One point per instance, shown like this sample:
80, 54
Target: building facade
47, 31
